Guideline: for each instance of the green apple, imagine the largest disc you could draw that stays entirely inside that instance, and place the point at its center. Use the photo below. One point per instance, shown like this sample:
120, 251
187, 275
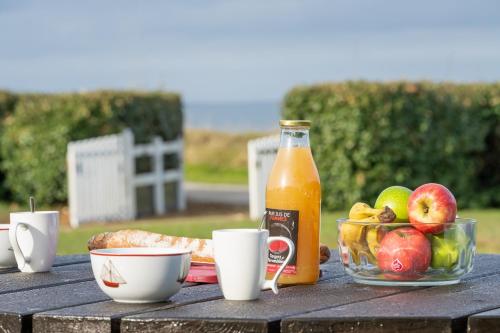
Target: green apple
444, 252
446, 248
396, 198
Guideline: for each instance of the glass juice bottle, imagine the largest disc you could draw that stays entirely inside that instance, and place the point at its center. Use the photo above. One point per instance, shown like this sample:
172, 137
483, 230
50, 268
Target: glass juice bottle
293, 201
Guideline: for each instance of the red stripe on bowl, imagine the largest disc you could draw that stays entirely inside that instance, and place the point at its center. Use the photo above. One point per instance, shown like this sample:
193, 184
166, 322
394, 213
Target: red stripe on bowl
138, 254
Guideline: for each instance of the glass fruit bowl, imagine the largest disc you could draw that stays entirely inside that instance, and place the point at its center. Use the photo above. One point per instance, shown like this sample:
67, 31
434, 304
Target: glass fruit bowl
399, 254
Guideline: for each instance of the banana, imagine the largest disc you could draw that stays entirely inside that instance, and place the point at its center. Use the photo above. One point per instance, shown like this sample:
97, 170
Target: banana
362, 212
352, 234
374, 236
367, 220
362, 240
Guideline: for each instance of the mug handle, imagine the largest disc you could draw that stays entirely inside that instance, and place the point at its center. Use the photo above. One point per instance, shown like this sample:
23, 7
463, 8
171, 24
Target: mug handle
15, 244
273, 284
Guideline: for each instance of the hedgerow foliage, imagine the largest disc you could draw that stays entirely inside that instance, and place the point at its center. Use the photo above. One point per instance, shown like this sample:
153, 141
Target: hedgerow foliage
367, 136
38, 128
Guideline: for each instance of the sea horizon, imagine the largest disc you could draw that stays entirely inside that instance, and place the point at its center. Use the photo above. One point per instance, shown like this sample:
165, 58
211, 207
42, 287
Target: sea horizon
233, 116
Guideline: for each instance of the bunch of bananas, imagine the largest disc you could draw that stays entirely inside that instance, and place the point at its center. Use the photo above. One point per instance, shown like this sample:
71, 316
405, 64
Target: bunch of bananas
361, 212
362, 239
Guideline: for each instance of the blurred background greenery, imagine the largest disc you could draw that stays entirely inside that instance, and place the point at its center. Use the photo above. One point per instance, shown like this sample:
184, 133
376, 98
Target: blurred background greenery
365, 136
223, 72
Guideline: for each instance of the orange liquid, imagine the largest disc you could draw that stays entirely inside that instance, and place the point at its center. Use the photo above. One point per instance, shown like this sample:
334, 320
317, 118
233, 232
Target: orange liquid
294, 185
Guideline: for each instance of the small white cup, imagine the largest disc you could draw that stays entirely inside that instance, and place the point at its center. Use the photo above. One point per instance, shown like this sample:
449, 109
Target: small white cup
33, 237
241, 259
7, 259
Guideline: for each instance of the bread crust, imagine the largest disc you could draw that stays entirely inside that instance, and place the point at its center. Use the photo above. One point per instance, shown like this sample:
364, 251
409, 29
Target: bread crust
201, 249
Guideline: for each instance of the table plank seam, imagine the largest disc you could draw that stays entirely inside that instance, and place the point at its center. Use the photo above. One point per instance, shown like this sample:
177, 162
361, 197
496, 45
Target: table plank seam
485, 310
272, 321
489, 309
16, 270
476, 321
83, 261
277, 320
458, 324
46, 286
107, 300
57, 308
411, 289
117, 319
41, 314
273, 324
342, 275
354, 302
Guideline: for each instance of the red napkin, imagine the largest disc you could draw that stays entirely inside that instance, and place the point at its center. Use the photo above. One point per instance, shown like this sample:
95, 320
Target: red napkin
202, 274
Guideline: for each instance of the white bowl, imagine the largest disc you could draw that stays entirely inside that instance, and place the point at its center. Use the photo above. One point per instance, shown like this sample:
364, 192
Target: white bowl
7, 259
140, 275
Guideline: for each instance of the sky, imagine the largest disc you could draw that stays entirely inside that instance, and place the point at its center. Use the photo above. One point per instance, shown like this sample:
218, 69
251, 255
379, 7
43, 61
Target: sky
230, 51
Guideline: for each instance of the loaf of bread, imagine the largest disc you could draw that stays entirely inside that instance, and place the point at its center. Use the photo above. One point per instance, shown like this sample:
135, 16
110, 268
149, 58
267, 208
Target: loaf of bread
201, 249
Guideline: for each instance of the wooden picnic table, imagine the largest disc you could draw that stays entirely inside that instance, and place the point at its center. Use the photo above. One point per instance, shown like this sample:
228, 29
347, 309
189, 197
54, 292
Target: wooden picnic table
67, 299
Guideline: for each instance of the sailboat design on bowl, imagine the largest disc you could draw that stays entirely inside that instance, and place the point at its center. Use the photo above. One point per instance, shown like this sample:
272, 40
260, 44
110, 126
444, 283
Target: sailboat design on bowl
110, 275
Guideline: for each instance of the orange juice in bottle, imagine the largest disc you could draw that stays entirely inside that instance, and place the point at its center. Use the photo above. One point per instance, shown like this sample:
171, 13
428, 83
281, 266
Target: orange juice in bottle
293, 200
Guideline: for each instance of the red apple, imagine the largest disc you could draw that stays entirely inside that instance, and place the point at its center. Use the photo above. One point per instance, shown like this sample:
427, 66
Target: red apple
431, 208
404, 251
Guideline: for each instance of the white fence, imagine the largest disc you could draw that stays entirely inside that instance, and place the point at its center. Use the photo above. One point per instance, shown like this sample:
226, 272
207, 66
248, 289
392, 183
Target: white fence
261, 155
103, 182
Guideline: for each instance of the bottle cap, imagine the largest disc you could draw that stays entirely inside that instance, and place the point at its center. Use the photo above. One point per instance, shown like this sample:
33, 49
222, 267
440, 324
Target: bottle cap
295, 123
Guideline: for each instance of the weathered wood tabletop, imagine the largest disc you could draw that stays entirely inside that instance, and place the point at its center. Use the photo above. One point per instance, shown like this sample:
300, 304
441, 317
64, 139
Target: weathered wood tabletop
67, 299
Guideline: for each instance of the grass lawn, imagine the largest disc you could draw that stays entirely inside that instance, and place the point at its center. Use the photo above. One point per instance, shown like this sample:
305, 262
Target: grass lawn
74, 241
203, 173
217, 157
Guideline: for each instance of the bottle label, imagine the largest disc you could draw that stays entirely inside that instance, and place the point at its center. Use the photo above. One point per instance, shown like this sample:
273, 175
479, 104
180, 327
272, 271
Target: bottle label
283, 223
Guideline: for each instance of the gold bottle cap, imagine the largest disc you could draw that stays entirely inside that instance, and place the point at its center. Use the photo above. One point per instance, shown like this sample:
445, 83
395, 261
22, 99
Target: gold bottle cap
295, 123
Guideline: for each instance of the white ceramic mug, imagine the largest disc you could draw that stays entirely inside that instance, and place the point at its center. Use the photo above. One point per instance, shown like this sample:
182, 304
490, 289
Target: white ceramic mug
7, 259
33, 237
241, 259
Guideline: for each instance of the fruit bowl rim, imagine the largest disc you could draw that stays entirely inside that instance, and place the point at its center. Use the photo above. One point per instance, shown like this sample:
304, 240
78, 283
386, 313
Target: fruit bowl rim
458, 220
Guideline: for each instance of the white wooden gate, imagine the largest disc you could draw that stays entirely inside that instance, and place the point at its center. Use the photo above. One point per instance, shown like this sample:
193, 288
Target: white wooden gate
261, 155
102, 179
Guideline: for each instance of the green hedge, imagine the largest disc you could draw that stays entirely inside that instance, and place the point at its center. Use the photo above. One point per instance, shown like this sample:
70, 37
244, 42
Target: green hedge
35, 136
7, 102
367, 136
